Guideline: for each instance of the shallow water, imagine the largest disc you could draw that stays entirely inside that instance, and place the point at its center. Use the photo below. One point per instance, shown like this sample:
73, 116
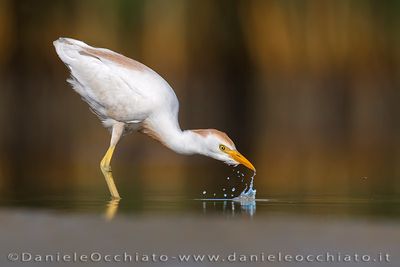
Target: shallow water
172, 224
387, 207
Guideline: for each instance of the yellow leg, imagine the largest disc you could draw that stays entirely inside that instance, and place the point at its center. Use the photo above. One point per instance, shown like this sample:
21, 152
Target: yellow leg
106, 169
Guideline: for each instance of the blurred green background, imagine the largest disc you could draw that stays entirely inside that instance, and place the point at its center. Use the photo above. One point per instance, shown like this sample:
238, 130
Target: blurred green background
308, 90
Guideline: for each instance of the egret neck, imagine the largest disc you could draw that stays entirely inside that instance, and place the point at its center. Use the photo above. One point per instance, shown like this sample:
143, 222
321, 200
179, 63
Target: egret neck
167, 131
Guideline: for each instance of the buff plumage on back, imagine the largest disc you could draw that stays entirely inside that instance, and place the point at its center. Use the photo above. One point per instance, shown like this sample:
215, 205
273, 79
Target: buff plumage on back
116, 58
104, 54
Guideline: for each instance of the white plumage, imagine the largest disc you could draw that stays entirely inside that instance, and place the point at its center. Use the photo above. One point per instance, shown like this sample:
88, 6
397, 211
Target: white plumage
127, 95
116, 87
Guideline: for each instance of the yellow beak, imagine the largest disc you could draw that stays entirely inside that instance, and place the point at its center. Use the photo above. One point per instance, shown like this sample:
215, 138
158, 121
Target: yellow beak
241, 159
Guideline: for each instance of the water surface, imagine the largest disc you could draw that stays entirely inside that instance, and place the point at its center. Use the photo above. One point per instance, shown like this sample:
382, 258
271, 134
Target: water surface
387, 207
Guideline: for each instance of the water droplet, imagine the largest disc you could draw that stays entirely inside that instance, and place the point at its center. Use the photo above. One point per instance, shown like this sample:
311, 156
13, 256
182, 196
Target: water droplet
242, 174
204, 192
227, 178
231, 195
224, 195
223, 189
233, 189
237, 171
215, 194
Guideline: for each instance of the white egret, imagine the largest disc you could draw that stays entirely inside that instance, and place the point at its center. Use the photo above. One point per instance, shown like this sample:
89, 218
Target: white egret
128, 96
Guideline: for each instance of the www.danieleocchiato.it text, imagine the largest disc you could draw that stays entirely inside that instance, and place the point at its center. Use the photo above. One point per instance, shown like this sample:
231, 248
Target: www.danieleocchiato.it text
125, 257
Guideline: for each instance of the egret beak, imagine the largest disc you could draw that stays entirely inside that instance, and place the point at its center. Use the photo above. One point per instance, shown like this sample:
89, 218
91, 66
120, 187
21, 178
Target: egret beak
241, 159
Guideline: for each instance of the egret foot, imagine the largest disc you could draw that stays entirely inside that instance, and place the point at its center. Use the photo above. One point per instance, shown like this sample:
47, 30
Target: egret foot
110, 183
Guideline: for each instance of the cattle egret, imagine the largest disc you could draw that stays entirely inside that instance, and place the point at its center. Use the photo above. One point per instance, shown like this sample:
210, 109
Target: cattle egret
129, 96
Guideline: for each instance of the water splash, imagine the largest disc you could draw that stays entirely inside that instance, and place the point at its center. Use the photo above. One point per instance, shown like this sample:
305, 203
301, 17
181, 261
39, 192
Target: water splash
249, 193
246, 200
246, 197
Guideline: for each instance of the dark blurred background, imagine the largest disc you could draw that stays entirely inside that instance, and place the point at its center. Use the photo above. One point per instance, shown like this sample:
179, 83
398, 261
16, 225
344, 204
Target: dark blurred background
308, 90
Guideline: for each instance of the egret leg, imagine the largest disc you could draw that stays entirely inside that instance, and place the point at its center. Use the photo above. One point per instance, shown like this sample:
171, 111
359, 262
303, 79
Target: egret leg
106, 169
105, 164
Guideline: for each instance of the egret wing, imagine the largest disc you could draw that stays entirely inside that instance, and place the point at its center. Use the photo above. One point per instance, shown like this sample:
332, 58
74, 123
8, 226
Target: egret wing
114, 86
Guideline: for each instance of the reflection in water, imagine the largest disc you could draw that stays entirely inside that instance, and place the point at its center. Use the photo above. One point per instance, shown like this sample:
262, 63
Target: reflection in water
249, 207
232, 207
387, 206
112, 208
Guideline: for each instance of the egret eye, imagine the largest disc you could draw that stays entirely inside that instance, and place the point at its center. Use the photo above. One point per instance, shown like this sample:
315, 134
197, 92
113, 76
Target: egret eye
222, 147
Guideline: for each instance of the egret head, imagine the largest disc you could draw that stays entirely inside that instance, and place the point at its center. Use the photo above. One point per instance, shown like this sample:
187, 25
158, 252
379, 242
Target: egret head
219, 146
